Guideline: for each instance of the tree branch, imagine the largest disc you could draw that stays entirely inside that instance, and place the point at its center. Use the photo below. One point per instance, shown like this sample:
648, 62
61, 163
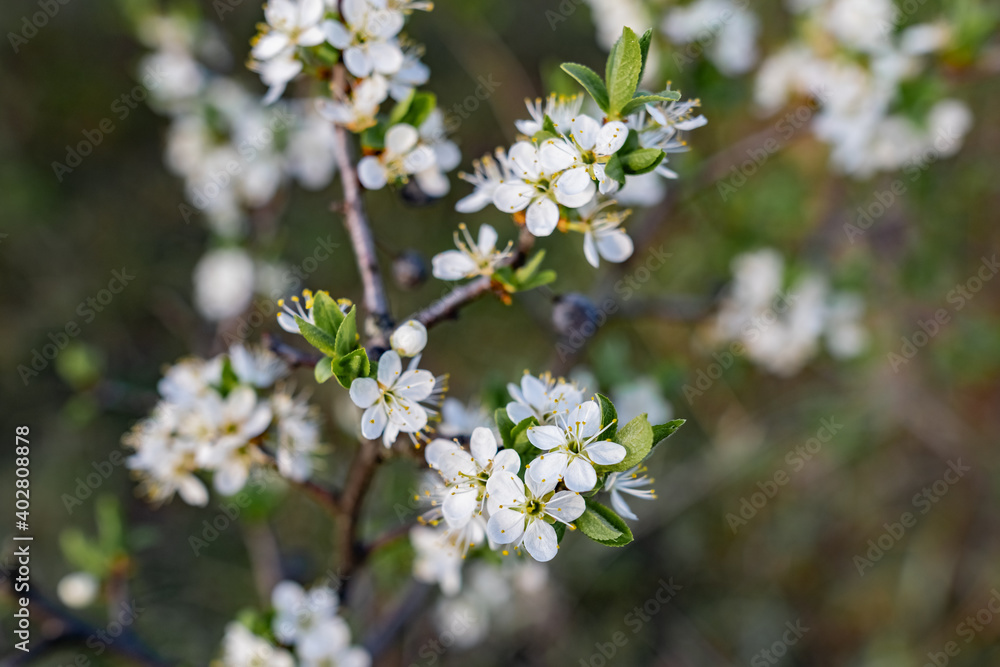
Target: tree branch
375, 299
359, 478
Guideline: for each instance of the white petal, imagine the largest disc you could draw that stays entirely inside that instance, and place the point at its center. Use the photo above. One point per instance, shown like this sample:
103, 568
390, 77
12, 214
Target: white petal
231, 478
588, 415
610, 138
452, 265
312, 36
507, 460
358, 62
390, 435
483, 445
513, 197
386, 57
371, 173
192, 491
270, 45
518, 412
566, 506
546, 437
555, 155
504, 489
615, 246
546, 470
542, 217
472, 203
459, 506
540, 541
287, 596
590, 250
487, 240
409, 416
373, 421
573, 181
414, 385
605, 452
364, 392
505, 526
576, 199
584, 130
337, 34
401, 138
619, 505
580, 475
533, 391
288, 323
524, 161
389, 367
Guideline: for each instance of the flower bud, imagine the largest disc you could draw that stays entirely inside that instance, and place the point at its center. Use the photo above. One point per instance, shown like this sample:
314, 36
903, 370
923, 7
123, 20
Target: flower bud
409, 268
77, 590
409, 339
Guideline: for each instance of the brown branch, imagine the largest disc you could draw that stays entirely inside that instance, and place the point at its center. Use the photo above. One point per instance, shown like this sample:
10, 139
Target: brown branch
388, 537
292, 356
326, 498
356, 222
359, 478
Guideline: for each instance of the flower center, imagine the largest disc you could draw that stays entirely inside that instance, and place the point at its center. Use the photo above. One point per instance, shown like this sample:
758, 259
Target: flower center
534, 508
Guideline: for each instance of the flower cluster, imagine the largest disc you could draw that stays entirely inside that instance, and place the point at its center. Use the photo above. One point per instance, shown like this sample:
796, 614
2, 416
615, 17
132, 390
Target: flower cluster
215, 416
304, 622
781, 330
558, 450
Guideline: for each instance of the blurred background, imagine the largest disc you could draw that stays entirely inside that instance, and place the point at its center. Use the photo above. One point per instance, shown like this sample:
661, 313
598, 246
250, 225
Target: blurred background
774, 535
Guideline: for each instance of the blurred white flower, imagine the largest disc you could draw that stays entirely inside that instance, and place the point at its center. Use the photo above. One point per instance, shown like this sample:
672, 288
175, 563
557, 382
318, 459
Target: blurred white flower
641, 396
437, 560
357, 111
242, 648
489, 174
290, 24
256, 366
223, 283
365, 35
542, 397
473, 258
298, 613
403, 156
458, 419
631, 482
727, 31
297, 434
78, 589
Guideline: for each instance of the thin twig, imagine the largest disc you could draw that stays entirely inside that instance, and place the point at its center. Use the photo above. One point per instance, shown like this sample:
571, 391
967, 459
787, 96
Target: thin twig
375, 298
292, 356
359, 478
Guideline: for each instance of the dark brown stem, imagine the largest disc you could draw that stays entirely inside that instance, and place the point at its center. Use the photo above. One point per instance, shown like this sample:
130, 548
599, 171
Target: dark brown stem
292, 356
359, 478
375, 299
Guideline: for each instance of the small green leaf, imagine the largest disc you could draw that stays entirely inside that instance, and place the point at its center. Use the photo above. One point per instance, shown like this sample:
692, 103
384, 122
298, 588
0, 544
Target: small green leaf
608, 416
614, 169
549, 126
637, 439
528, 270
541, 278
519, 439
374, 137
622, 72
663, 431
505, 425
643, 100
347, 334
327, 313
543, 135
560, 529
399, 111
631, 143
642, 161
351, 367
318, 338
590, 80
505, 276
644, 41
323, 370
601, 524
420, 108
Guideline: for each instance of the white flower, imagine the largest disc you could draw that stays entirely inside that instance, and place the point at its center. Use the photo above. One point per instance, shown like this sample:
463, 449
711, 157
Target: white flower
489, 175
258, 366
297, 433
166, 462
437, 560
593, 144
286, 318
542, 177
465, 474
310, 152
630, 482
392, 403
403, 155
298, 614
473, 258
641, 396
411, 74
237, 419
572, 449
78, 589
542, 398
725, 29
602, 233
366, 37
518, 514
290, 24
458, 419
560, 109
190, 380
409, 339
358, 111
223, 283
242, 648
330, 646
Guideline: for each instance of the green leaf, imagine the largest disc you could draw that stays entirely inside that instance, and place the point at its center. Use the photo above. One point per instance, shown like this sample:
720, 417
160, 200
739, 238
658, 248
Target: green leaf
643, 99
543, 135
82, 553
560, 529
347, 333
622, 72
419, 109
351, 367
505, 425
549, 126
631, 143
601, 524
528, 270
327, 313
541, 278
590, 80
374, 137
608, 416
519, 439
644, 42
109, 525
318, 338
614, 169
637, 439
663, 431
505, 276
323, 370
401, 108
642, 161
